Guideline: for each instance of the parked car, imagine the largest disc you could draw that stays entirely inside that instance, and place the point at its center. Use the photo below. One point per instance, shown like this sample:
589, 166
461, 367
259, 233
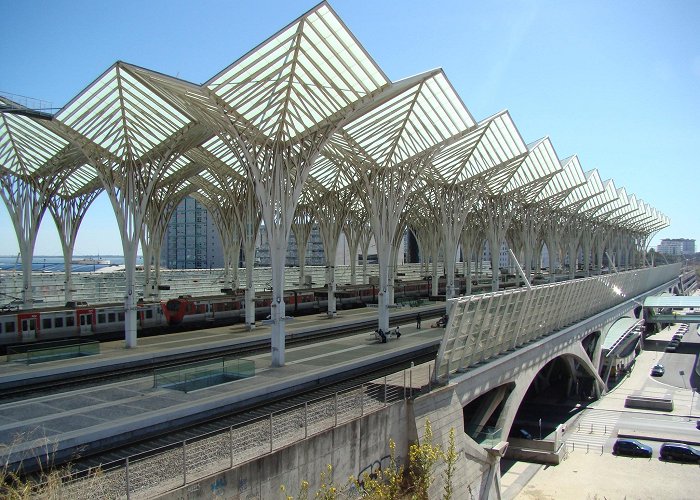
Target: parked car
679, 452
631, 448
524, 434
658, 371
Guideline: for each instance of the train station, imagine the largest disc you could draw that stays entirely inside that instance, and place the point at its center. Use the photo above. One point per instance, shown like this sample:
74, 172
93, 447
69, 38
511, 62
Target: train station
528, 274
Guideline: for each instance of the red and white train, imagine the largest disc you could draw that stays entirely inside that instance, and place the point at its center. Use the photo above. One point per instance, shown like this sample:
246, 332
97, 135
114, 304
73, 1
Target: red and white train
106, 321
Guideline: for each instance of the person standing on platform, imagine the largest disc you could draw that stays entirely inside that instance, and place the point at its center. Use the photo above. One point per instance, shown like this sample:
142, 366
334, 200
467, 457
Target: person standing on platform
418, 318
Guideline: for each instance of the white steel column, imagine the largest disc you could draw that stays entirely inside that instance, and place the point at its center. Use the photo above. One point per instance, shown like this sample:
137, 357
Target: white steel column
454, 204
68, 213
472, 241
26, 201
164, 202
497, 213
250, 223
366, 236
355, 223
386, 196
226, 219
331, 211
301, 227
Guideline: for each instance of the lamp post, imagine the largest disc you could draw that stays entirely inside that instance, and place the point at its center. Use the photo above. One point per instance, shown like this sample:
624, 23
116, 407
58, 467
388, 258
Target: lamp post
692, 399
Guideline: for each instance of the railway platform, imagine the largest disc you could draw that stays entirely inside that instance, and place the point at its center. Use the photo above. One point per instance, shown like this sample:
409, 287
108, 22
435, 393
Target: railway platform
88, 419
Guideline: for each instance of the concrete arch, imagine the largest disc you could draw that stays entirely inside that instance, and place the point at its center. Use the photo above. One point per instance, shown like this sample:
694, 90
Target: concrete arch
638, 312
525, 379
594, 341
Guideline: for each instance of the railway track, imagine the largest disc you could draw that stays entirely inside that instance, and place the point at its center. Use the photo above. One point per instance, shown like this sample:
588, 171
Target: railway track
143, 448
151, 440
51, 384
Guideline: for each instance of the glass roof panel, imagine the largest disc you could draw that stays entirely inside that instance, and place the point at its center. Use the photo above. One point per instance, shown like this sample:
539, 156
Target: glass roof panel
81, 179
26, 146
121, 115
581, 195
563, 183
488, 149
299, 77
421, 117
597, 204
619, 208
540, 164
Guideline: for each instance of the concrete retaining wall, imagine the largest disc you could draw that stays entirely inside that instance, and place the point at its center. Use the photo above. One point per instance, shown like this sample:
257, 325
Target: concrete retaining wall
362, 444
477, 472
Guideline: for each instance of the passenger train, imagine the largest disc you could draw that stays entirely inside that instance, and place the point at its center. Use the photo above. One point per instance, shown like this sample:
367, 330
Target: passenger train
106, 321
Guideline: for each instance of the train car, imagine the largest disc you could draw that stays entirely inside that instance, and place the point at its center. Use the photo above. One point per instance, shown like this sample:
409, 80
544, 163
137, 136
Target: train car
78, 320
106, 321
187, 309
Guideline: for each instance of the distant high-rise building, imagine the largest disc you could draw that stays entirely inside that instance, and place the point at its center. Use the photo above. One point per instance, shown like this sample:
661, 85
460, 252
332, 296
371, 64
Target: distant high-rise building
503, 254
678, 246
315, 255
192, 240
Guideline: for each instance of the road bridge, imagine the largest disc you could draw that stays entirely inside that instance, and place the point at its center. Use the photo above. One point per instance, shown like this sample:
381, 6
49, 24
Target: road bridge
672, 309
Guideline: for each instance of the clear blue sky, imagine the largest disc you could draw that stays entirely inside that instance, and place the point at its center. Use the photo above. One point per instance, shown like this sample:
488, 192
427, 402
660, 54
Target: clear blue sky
616, 82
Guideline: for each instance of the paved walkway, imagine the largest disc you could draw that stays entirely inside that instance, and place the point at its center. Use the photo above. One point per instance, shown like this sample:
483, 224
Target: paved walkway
596, 473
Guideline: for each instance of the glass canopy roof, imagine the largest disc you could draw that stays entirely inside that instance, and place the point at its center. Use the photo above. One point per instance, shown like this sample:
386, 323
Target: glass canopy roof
311, 75
299, 77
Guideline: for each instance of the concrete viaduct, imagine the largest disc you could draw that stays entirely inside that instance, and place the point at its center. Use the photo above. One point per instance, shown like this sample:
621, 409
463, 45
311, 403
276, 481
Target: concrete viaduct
478, 399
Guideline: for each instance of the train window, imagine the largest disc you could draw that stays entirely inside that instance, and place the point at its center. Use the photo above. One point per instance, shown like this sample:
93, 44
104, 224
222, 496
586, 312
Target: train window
46, 323
101, 318
149, 313
111, 317
121, 316
58, 322
10, 327
70, 321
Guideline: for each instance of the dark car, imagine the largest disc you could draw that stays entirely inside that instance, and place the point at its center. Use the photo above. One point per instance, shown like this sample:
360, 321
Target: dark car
679, 452
524, 434
658, 371
631, 448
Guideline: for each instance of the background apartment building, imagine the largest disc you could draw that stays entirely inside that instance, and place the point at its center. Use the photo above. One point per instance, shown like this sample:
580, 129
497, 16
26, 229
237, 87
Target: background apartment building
678, 246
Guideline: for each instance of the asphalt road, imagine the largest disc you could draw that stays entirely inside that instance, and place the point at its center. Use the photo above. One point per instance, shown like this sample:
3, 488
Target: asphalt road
679, 367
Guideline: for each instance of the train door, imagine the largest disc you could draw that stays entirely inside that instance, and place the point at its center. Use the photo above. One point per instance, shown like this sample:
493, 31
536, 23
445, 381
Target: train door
85, 321
28, 326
